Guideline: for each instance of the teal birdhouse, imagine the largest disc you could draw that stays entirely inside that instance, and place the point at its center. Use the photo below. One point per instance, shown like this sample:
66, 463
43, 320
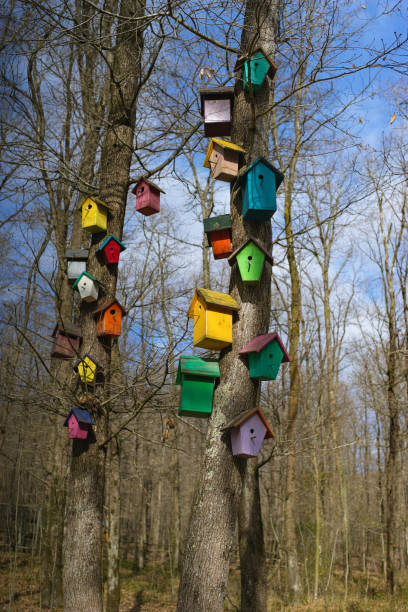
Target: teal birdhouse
197, 378
255, 69
250, 257
265, 354
259, 182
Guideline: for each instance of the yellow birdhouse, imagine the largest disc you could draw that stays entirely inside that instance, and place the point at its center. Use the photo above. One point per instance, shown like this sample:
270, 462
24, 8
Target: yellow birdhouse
212, 315
94, 214
87, 368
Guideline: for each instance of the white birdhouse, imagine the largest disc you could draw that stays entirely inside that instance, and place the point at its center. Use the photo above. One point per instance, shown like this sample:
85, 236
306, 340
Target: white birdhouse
87, 286
76, 262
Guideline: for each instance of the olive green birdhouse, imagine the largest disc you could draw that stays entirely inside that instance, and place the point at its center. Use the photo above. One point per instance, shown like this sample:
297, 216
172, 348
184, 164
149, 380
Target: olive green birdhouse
197, 378
250, 257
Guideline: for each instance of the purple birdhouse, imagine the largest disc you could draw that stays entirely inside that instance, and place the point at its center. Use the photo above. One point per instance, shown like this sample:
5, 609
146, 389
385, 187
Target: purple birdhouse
248, 431
78, 422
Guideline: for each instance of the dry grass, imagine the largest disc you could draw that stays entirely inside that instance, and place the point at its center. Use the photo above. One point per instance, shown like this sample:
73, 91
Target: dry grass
153, 591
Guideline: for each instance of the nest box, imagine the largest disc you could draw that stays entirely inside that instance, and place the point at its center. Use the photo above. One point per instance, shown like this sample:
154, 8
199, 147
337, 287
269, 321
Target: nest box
223, 159
197, 378
265, 354
248, 431
76, 262
255, 69
66, 340
87, 367
212, 315
250, 258
94, 215
259, 182
110, 249
218, 231
87, 286
216, 108
109, 318
147, 197
78, 422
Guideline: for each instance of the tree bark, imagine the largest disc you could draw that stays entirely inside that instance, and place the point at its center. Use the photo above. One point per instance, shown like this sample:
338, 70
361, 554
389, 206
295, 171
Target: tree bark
206, 561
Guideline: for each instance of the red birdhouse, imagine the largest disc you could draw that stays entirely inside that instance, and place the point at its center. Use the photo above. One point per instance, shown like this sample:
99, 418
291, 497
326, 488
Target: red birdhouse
109, 318
147, 197
66, 340
110, 249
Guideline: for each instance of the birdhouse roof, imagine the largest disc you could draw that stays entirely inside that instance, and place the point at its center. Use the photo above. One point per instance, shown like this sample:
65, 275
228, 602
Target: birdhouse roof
92, 359
81, 415
214, 298
257, 344
94, 199
244, 416
225, 144
233, 256
77, 254
213, 224
75, 285
107, 304
196, 366
145, 180
107, 240
67, 328
216, 93
244, 58
261, 160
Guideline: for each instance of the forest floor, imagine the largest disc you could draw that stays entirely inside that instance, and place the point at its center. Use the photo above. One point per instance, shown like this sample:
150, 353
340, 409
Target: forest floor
153, 590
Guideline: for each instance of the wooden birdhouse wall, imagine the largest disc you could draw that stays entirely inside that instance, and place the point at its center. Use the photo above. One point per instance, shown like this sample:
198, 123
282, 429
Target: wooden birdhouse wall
111, 252
76, 429
221, 243
259, 194
109, 322
256, 68
147, 199
196, 396
250, 262
265, 365
75, 269
94, 216
247, 438
212, 327
64, 346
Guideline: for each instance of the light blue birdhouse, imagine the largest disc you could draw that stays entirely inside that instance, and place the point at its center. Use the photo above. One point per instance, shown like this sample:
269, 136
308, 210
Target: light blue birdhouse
259, 183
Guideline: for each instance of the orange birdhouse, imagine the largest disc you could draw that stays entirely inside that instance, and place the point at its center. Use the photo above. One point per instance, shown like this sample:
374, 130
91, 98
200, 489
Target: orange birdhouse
109, 318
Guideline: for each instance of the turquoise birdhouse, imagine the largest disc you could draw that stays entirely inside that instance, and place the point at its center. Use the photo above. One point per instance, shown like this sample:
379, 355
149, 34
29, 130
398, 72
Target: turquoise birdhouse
255, 69
259, 183
265, 354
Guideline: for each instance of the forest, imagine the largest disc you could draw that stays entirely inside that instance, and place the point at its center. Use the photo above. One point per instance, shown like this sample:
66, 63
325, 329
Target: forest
204, 306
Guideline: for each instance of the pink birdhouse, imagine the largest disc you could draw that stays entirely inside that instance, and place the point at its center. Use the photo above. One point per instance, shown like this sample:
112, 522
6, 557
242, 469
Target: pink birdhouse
147, 197
78, 422
248, 431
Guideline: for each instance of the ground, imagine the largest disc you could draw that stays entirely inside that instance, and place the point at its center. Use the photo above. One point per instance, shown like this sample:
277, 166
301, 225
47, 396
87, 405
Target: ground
154, 591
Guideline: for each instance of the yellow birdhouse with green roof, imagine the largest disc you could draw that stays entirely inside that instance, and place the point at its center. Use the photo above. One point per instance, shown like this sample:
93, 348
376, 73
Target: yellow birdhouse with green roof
94, 215
212, 313
223, 159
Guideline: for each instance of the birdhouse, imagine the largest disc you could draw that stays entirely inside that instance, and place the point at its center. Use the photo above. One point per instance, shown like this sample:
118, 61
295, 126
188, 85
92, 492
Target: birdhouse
216, 108
212, 315
94, 214
78, 422
222, 159
197, 378
260, 183
87, 368
250, 257
147, 197
218, 230
265, 354
87, 286
109, 318
248, 431
66, 340
76, 262
110, 249
255, 69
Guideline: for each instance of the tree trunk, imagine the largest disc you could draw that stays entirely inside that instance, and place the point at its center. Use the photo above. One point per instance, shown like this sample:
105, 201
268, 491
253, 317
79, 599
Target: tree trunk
206, 561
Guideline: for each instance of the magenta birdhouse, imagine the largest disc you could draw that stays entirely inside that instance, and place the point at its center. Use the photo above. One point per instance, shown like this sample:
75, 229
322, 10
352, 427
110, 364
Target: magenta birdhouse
110, 249
78, 422
147, 197
248, 431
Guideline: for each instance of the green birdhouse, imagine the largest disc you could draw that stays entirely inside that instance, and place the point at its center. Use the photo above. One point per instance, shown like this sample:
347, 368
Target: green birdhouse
196, 377
265, 354
250, 258
255, 69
